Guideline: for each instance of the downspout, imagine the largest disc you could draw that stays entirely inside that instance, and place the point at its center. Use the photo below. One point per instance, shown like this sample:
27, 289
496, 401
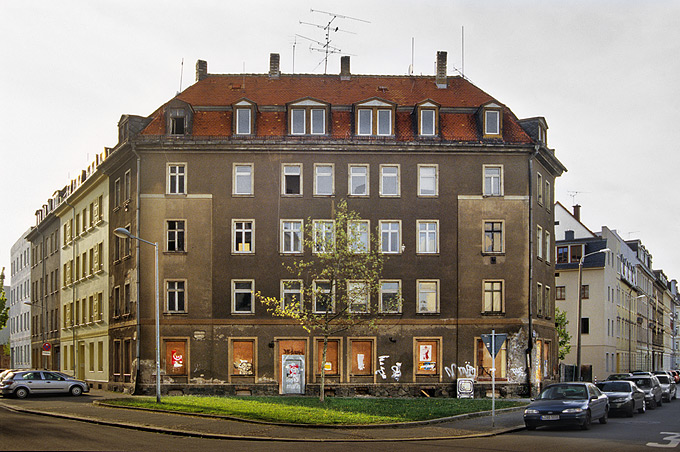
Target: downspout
530, 339
138, 325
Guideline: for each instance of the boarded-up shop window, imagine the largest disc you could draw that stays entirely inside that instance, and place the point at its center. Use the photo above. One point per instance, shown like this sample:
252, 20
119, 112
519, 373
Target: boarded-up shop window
116, 357
484, 362
331, 357
362, 357
427, 352
243, 352
175, 358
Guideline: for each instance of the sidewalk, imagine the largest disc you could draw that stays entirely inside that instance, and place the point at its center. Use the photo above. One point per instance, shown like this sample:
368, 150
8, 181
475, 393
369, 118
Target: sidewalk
92, 408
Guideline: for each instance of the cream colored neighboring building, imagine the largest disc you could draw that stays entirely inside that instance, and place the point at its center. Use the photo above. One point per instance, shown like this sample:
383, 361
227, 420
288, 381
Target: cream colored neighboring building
85, 269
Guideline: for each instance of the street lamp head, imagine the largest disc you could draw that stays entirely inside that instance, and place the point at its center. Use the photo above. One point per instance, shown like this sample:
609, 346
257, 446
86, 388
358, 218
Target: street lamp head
122, 233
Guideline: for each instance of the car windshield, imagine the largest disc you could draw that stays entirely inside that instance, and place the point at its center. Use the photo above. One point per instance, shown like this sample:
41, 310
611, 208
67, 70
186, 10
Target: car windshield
557, 392
614, 386
643, 382
663, 379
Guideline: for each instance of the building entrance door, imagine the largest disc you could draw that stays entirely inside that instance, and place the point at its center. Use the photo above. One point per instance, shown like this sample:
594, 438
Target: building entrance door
80, 359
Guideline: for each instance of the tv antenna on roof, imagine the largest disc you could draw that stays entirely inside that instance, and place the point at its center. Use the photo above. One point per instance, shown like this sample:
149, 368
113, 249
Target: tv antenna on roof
573, 196
328, 28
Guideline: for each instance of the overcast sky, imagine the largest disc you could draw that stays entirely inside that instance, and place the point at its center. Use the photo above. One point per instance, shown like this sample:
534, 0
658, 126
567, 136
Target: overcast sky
604, 74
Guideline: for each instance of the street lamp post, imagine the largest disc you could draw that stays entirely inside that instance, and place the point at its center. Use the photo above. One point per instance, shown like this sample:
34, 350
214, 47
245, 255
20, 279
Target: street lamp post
124, 233
580, 302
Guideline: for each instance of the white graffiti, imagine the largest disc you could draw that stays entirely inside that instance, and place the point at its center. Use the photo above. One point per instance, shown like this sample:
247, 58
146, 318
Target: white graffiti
673, 440
396, 371
468, 371
381, 371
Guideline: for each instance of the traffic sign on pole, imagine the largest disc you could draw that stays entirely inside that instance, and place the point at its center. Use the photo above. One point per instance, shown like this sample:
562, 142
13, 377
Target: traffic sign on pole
494, 342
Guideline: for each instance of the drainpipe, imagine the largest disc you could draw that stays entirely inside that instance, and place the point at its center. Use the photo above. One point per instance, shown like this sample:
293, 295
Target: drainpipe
530, 340
138, 325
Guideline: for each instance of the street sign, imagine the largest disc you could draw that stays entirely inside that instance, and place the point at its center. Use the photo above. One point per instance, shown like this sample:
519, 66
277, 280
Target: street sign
498, 340
47, 347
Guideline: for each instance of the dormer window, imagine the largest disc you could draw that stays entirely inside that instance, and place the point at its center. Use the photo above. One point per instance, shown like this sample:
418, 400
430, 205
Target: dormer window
177, 122
375, 117
178, 118
308, 117
244, 113
428, 123
492, 120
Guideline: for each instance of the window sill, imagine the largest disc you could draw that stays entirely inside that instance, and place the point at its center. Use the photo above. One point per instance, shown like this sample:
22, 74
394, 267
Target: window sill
486, 195
243, 253
492, 253
428, 313
175, 313
176, 194
291, 195
427, 254
493, 314
174, 253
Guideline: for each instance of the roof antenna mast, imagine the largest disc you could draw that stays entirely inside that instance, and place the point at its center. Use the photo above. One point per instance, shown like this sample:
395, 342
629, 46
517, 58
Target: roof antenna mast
326, 47
181, 74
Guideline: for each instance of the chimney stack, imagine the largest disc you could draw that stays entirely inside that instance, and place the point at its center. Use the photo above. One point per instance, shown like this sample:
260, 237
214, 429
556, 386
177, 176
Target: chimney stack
441, 70
344, 68
274, 71
577, 212
201, 70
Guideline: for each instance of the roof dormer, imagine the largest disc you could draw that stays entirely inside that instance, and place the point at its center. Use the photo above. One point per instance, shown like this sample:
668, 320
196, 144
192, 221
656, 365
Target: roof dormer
427, 118
244, 117
308, 117
536, 128
375, 117
491, 120
178, 118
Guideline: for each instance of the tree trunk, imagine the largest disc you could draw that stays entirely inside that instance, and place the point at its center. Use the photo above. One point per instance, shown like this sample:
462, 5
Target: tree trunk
322, 395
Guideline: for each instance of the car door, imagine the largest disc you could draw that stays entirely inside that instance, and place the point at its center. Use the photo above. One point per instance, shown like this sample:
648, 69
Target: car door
54, 382
34, 382
598, 402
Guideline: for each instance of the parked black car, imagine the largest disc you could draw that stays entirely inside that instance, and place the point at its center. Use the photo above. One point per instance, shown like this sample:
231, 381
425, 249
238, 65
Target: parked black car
649, 384
567, 404
624, 396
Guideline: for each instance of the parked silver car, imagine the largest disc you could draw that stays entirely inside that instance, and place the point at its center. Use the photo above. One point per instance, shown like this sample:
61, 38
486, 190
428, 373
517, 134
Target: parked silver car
668, 386
649, 384
22, 383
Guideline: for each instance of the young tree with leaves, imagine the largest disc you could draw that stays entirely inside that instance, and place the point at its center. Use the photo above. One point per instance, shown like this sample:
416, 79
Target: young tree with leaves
4, 309
563, 335
340, 277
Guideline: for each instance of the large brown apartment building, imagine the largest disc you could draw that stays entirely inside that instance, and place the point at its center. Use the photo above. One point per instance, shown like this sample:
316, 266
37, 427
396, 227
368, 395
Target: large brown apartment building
224, 178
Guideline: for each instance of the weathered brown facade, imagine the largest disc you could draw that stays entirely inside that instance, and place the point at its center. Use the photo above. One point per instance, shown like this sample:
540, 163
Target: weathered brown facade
219, 175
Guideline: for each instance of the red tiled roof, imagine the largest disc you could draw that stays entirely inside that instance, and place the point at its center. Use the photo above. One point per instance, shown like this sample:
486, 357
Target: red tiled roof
225, 90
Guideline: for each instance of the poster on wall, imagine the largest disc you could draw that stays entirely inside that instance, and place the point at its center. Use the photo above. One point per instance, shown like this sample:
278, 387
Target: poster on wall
175, 357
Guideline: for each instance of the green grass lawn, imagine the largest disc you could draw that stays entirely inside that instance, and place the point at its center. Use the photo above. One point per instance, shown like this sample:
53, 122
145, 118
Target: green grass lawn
309, 410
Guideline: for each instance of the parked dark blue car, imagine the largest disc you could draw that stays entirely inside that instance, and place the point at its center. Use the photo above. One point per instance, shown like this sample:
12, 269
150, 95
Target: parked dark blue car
576, 404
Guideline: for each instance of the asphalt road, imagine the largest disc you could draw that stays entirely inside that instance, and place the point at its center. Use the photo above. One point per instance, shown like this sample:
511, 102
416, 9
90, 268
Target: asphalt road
655, 429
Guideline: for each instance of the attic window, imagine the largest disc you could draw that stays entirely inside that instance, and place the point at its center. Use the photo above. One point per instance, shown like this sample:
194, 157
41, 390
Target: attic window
177, 122
492, 122
374, 121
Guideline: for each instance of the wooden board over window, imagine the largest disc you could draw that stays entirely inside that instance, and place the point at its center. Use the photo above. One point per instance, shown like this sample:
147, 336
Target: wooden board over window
362, 357
175, 358
427, 352
332, 365
485, 362
243, 352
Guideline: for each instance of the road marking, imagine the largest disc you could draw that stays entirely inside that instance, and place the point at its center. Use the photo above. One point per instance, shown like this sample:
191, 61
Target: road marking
673, 440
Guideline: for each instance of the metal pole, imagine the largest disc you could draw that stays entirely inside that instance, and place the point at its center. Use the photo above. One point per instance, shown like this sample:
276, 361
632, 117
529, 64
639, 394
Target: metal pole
158, 335
493, 378
578, 320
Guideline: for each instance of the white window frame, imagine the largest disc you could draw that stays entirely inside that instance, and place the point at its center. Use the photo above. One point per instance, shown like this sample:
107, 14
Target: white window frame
493, 240
539, 241
390, 232
421, 178
539, 299
539, 188
287, 167
420, 291
323, 227
360, 130
420, 249
236, 176
351, 176
489, 188
294, 125
239, 112
331, 292
490, 121
175, 290
311, 121
381, 306
235, 291
358, 294
548, 195
183, 230
234, 233
317, 166
364, 232
546, 233
381, 121
421, 122
285, 290
397, 178
291, 232
177, 176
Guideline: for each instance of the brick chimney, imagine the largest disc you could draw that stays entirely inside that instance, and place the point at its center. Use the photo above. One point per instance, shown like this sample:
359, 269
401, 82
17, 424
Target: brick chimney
274, 71
344, 68
577, 212
441, 70
201, 70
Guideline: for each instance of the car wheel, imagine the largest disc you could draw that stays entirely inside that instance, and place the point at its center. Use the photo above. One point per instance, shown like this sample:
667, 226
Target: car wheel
644, 407
21, 393
530, 427
629, 412
605, 417
652, 404
76, 390
586, 422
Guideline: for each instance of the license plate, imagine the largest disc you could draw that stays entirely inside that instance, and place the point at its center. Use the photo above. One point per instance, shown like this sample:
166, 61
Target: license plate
550, 417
